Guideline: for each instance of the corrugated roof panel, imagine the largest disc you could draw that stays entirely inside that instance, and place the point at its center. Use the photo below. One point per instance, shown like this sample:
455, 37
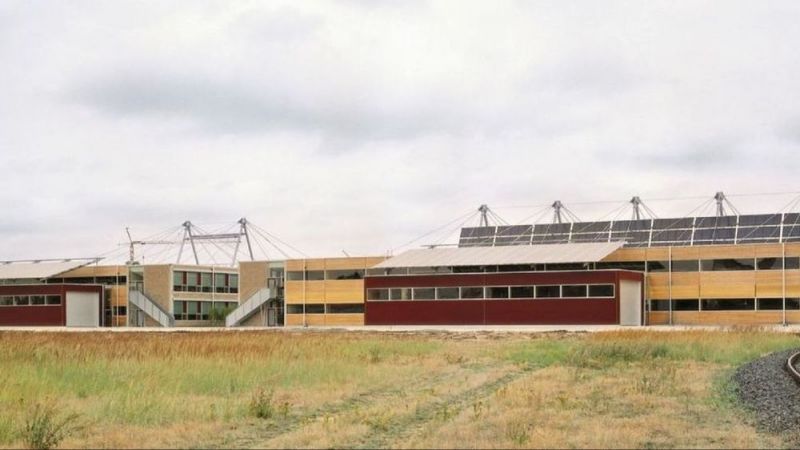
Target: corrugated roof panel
518, 254
26, 270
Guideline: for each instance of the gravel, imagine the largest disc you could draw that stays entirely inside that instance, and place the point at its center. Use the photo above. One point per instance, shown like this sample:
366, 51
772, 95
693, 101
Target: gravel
766, 388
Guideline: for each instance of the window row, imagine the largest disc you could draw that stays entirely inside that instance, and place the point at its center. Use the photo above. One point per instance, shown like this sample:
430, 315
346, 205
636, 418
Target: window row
319, 275
221, 283
29, 300
318, 308
108, 281
725, 304
197, 310
494, 292
692, 265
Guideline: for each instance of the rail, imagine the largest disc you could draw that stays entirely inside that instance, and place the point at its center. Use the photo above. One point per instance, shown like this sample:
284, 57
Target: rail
248, 308
791, 366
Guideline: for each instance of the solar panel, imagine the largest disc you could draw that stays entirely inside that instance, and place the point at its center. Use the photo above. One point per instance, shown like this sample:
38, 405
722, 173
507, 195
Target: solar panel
478, 231
714, 234
759, 220
551, 228
631, 237
791, 218
631, 225
585, 227
672, 224
715, 222
512, 240
672, 235
514, 230
749, 233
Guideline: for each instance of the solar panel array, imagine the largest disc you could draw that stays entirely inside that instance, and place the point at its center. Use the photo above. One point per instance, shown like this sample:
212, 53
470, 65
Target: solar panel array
743, 229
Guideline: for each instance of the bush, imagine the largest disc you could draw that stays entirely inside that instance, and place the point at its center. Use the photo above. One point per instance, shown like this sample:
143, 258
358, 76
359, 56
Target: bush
44, 429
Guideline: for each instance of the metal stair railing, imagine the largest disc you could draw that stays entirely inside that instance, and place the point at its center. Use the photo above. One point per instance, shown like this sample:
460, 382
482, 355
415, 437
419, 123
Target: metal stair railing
151, 308
246, 309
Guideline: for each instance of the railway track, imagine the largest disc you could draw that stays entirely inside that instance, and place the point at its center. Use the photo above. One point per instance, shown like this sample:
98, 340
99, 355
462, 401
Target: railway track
793, 366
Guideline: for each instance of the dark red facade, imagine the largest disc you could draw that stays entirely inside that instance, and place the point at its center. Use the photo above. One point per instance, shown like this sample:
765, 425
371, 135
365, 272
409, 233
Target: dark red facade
42, 315
561, 311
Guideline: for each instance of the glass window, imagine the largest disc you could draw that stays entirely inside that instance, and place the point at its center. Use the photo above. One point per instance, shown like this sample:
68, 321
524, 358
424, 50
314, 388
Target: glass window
657, 266
179, 309
345, 275
294, 275
619, 265
471, 292
191, 278
687, 265
521, 291
376, 272
421, 270
377, 294
21, 300
315, 308
573, 290
548, 291
770, 303
793, 303
685, 305
568, 266
424, 293
469, 269
792, 262
205, 308
728, 304
294, 309
6, 300
400, 294
659, 305
53, 299
177, 278
354, 308
710, 265
497, 292
769, 263
519, 268
37, 300
205, 281
314, 275
446, 293
601, 290
233, 282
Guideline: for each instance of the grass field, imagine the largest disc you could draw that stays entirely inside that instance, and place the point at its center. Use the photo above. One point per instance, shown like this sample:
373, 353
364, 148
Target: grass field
336, 389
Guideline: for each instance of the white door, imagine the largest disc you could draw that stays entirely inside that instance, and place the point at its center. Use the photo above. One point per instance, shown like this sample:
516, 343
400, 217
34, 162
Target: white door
630, 302
83, 309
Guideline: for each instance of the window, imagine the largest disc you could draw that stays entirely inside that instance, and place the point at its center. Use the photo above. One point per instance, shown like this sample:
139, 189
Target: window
657, 266
377, 294
120, 310
770, 303
601, 290
685, 305
192, 281
520, 268
205, 309
710, 265
52, 299
220, 283
521, 291
619, 265
497, 292
179, 310
472, 292
792, 263
400, 294
6, 300
192, 312
769, 263
37, 300
345, 275
793, 303
447, 293
567, 266
205, 282
315, 308
424, 293
315, 275
294, 275
548, 291
728, 304
354, 308
233, 282
21, 300
688, 265
573, 290
178, 281
376, 272
659, 305
294, 309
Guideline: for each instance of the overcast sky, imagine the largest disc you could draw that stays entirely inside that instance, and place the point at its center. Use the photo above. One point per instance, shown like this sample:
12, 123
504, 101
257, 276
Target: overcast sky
359, 125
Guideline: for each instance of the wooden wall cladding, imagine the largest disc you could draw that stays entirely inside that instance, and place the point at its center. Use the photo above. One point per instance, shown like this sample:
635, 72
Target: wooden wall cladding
727, 317
314, 292
344, 291
734, 284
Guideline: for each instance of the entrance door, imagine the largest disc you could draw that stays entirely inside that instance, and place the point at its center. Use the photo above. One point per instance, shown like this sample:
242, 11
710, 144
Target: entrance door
83, 309
630, 302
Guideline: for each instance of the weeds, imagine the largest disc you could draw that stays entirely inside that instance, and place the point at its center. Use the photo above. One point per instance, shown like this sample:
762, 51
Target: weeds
261, 404
45, 429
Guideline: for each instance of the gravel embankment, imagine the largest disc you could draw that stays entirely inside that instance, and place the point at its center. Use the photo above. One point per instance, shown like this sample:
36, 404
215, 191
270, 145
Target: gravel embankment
766, 388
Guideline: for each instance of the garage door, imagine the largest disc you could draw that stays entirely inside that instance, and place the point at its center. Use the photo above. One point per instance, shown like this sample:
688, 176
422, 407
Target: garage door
630, 302
83, 309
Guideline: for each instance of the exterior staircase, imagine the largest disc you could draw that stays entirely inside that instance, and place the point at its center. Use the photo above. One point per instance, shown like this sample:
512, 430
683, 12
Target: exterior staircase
151, 308
248, 308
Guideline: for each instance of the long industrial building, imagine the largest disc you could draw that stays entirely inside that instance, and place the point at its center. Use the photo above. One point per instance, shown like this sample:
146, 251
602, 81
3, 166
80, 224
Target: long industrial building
713, 270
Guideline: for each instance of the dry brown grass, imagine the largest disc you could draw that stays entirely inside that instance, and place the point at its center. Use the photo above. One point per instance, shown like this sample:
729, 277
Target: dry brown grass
618, 389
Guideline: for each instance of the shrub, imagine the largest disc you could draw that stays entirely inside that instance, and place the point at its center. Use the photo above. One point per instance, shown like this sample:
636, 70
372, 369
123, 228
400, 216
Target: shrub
45, 429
